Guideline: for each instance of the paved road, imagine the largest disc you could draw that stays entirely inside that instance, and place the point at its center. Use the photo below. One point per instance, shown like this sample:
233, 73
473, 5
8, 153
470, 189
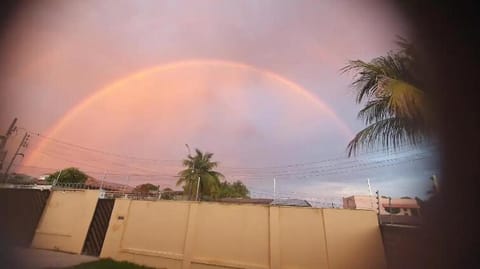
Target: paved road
39, 259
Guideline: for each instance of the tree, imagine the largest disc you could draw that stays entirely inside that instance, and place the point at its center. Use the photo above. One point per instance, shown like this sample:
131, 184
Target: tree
233, 190
21, 179
68, 175
200, 167
394, 109
167, 194
145, 188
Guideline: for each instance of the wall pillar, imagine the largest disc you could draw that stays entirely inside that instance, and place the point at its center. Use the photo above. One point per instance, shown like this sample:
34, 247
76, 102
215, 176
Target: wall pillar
274, 222
190, 236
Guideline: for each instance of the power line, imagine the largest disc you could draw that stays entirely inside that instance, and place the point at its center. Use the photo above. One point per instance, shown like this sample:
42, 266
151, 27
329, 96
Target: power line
340, 169
332, 166
367, 154
102, 172
96, 150
95, 160
340, 158
312, 173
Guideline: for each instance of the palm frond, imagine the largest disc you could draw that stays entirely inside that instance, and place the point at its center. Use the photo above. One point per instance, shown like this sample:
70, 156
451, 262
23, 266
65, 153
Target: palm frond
394, 110
389, 133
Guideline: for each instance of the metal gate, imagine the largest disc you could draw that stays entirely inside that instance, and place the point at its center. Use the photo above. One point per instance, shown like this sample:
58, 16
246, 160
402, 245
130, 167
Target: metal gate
98, 227
20, 212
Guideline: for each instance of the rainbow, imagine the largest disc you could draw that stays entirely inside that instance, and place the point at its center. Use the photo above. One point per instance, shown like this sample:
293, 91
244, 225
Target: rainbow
110, 88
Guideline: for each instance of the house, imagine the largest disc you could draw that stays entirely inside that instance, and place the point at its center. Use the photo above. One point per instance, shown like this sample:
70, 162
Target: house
403, 210
90, 183
399, 206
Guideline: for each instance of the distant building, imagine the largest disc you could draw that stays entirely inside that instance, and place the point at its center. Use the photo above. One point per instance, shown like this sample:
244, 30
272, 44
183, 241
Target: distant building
291, 202
43, 177
90, 183
263, 201
397, 206
397, 210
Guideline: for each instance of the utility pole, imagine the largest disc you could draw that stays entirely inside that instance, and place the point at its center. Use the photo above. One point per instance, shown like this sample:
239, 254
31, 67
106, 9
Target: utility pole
378, 206
24, 144
370, 193
274, 189
198, 188
3, 142
125, 187
56, 180
390, 206
104, 178
433, 178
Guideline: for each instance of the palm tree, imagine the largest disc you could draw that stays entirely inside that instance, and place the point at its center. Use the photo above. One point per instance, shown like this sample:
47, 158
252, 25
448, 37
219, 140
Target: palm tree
394, 110
200, 167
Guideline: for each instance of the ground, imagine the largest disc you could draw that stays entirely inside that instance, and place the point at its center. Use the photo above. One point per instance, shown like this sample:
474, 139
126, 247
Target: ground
107, 264
30, 258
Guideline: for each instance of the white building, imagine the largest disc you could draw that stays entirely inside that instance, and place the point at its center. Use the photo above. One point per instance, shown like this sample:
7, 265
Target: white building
395, 206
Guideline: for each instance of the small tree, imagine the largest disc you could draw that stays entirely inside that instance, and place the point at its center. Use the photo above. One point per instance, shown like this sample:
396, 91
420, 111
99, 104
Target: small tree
233, 190
68, 175
200, 167
145, 188
167, 194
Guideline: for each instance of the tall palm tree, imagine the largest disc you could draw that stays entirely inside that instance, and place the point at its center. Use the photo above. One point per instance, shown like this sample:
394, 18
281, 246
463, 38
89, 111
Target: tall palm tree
394, 110
200, 167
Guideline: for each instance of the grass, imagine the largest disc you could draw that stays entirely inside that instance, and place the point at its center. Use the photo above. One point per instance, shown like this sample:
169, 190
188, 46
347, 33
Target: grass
108, 264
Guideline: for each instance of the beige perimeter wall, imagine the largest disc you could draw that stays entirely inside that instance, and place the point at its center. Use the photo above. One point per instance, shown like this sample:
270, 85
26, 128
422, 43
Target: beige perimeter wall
181, 234
65, 220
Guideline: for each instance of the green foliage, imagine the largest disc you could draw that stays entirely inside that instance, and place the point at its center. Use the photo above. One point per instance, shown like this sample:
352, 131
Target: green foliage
394, 104
145, 188
233, 190
200, 166
108, 264
68, 175
167, 194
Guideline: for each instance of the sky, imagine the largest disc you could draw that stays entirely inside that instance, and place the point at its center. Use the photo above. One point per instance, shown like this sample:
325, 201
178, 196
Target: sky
117, 88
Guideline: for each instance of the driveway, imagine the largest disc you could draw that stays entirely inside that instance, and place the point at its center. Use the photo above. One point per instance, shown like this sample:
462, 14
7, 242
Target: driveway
30, 258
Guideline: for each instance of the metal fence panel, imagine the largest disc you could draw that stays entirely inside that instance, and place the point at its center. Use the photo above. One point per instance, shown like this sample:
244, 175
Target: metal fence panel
20, 212
98, 227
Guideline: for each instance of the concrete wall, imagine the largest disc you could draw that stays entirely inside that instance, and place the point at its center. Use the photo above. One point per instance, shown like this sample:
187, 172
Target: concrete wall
181, 234
404, 246
65, 220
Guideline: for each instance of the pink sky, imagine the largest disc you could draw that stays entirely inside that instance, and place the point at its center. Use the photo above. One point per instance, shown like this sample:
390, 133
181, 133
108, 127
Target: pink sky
60, 52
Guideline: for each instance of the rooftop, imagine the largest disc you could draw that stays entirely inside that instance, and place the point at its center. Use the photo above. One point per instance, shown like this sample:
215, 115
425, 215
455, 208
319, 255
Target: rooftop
266, 201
